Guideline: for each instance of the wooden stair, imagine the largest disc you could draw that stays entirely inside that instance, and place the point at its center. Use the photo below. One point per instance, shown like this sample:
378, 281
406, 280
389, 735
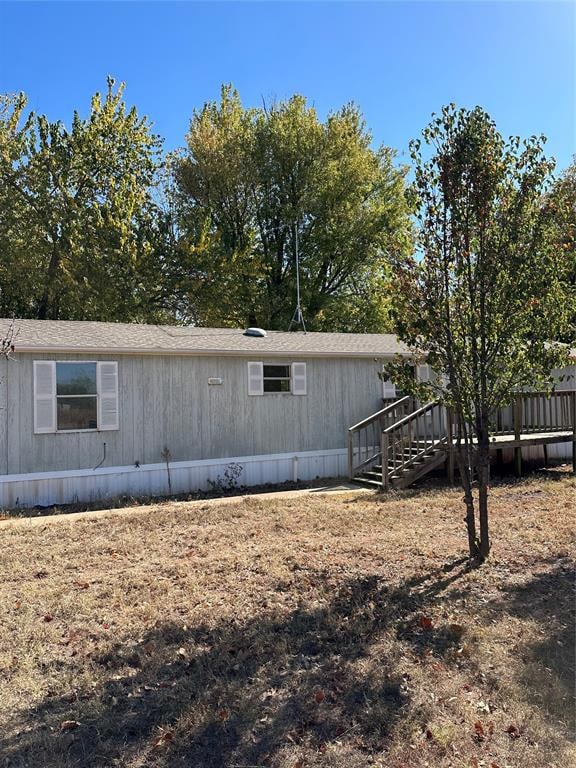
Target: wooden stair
409, 444
402, 477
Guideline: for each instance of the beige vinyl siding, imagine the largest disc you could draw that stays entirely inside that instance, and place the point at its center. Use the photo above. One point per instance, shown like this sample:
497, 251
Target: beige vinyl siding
167, 401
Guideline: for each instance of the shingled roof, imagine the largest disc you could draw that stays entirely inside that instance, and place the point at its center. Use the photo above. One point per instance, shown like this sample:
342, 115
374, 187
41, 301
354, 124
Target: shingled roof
130, 338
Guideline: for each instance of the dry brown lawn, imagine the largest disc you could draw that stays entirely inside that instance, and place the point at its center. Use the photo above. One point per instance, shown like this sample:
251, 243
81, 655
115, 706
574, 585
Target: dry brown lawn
316, 631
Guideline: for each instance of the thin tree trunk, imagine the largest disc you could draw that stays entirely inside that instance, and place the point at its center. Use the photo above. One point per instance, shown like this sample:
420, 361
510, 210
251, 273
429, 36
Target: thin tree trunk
465, 469
483, 482
470, 512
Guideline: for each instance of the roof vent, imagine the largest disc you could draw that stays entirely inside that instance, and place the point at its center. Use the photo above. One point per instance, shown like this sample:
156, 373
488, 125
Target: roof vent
260, 332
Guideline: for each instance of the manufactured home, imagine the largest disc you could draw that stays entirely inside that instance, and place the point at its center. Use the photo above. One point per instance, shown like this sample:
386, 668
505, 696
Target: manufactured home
94, 410
91, 409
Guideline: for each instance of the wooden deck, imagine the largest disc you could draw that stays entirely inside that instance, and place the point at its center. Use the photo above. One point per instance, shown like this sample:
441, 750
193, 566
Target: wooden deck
399, 444
530, 438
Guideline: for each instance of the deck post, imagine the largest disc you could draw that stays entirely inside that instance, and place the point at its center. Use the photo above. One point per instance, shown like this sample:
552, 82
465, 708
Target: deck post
350, 456
518, 461
499, 427
517, 433
517, 417
573, 398
384, 445
545, 454
450, 433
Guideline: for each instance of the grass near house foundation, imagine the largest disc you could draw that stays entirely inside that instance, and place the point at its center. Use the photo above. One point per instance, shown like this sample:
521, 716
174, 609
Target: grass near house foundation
317, 631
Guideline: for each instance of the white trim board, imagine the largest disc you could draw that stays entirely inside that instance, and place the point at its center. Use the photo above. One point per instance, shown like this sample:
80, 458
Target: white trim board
85, 485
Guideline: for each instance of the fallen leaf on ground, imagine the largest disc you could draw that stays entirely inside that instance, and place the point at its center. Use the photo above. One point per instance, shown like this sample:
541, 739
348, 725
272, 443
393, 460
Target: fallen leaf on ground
69, 725
479, 730
165, 738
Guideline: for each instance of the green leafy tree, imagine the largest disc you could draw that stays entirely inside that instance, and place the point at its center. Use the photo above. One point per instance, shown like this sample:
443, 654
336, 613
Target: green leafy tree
561, 204
15, 259
254, 183
79, 230
489, 287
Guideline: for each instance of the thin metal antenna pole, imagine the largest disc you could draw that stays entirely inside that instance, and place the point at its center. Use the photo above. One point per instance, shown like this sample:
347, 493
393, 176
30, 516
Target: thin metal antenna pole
297, 317
298, 307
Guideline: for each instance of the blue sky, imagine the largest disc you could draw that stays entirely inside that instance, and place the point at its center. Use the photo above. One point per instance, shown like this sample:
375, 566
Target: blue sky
399, 61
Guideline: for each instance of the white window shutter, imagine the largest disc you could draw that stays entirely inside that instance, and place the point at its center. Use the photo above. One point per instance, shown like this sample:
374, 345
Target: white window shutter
108, 396
44, 396
423, 372
298, 378
255, 378
388, 389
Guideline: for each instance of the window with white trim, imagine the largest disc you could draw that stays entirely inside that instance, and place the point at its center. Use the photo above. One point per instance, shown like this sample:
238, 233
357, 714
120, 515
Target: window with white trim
75, 396
276, 378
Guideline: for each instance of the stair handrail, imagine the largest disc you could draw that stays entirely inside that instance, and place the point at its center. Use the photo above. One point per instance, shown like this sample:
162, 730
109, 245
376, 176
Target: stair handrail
411, 416
379, 414
389, 445
374, 421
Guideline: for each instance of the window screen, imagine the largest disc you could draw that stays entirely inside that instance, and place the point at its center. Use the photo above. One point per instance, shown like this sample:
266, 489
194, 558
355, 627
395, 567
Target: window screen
76, 396
276, 378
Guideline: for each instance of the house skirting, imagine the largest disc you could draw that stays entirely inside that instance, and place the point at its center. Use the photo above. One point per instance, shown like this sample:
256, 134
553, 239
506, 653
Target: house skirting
86, 485
556, 452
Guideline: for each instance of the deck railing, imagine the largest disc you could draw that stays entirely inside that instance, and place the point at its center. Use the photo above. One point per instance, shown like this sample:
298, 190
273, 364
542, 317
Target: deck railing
415, 436
537, 412
364, 438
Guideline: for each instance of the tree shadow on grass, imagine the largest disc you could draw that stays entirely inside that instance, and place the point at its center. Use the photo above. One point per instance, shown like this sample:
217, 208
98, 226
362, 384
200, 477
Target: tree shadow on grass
549, 666
245, 693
